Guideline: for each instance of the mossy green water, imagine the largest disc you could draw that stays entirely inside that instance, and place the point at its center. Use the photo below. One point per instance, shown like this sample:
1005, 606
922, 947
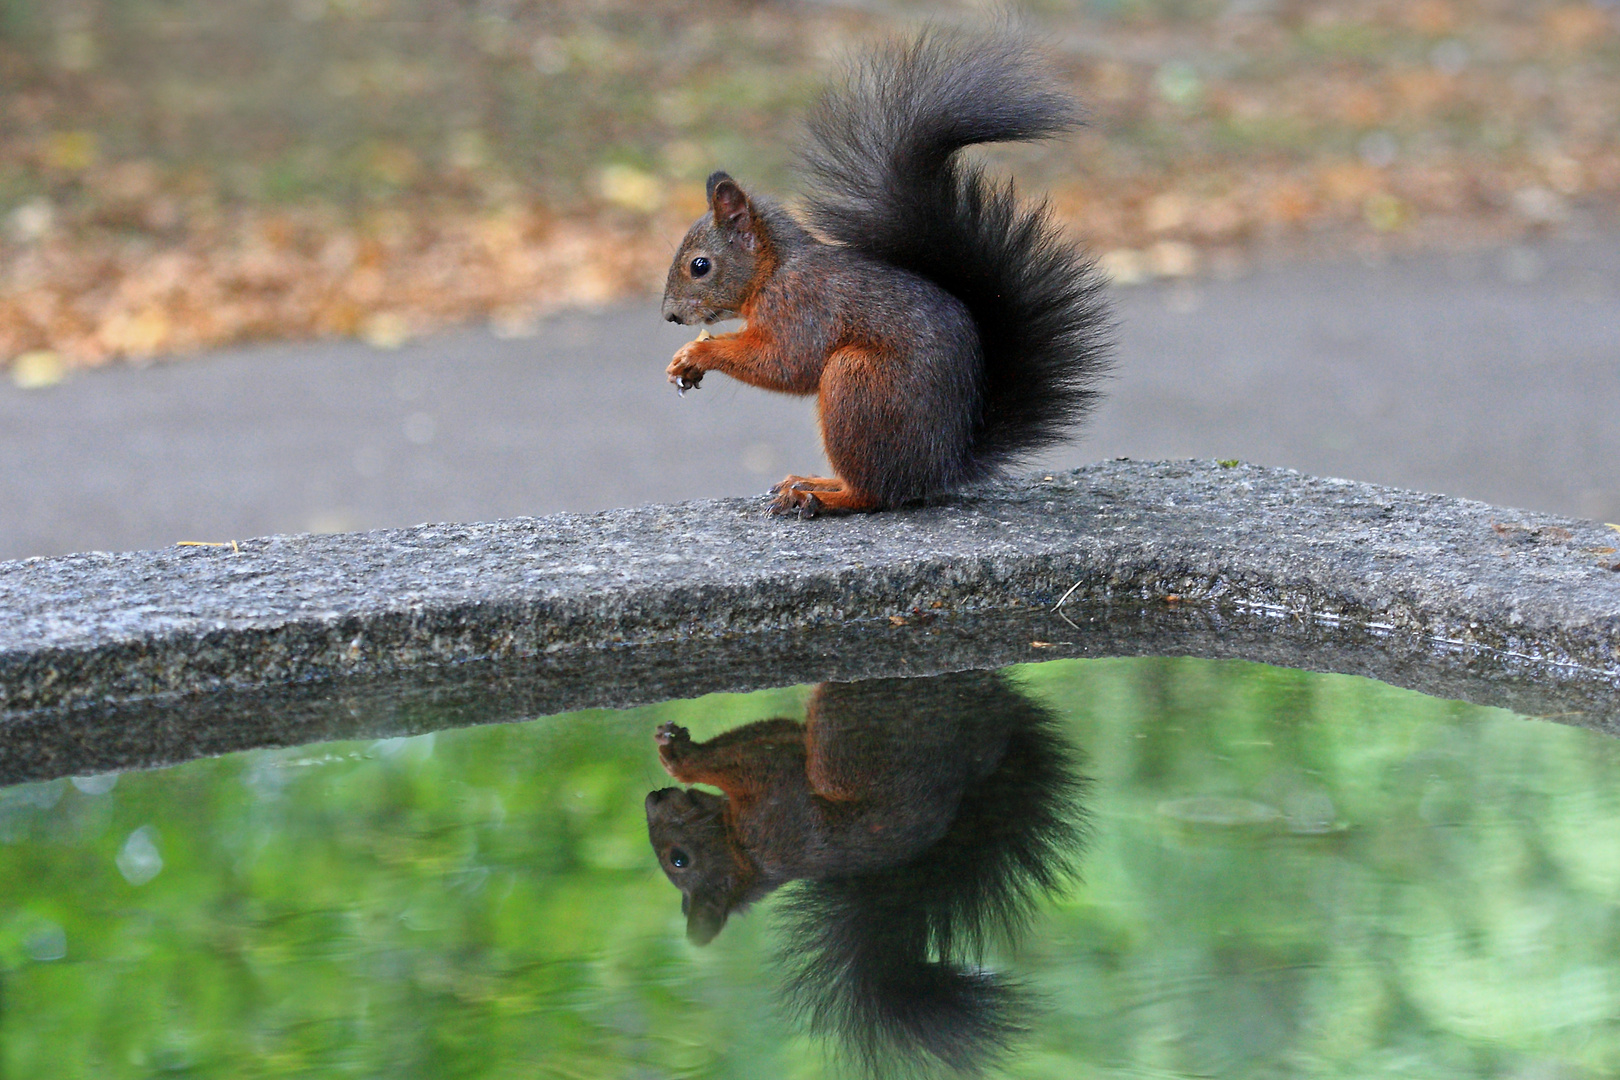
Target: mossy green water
1288, 875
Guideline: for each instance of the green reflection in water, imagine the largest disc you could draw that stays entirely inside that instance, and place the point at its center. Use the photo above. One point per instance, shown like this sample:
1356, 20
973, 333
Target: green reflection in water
1289, 875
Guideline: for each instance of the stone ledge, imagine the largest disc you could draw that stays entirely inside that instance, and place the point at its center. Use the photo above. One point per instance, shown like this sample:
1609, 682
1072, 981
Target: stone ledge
164, 730
99, 628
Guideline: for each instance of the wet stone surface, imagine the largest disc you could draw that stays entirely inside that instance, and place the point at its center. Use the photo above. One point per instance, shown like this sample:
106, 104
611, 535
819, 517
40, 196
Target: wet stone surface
1342, 557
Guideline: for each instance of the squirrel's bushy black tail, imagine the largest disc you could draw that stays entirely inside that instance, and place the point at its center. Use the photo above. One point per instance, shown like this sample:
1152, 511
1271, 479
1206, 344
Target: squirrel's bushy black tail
888, 182
888, 963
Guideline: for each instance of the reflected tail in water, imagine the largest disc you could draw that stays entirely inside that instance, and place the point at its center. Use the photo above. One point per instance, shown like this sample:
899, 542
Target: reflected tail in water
889, 963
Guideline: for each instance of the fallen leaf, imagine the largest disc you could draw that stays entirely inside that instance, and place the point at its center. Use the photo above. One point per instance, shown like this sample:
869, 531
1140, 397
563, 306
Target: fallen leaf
38, 369
385, 330
1172, 258
1498, 116
1124, 266
1577, 26
1432, 17
631, 188
1384, 212
1167, 212
70, 151
1349, 182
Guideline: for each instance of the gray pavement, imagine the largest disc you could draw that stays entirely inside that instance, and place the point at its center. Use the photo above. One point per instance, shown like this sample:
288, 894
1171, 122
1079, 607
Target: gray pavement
1493, 375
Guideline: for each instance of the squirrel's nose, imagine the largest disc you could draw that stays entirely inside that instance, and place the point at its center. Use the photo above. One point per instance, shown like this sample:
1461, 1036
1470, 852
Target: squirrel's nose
672, 317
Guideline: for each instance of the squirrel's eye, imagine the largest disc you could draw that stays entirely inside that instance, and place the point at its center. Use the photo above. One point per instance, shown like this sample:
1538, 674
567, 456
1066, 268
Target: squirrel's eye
700, 266
678, 858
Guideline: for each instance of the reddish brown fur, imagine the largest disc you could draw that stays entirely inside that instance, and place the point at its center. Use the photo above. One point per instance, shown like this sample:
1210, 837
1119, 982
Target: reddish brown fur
865, 782
891, 357
947, 329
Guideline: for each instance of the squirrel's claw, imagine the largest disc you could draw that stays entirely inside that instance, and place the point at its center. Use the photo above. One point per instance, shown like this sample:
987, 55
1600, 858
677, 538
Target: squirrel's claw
796, 495
685, 372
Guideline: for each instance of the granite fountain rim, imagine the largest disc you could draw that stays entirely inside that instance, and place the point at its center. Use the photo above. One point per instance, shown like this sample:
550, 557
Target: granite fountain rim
97, 628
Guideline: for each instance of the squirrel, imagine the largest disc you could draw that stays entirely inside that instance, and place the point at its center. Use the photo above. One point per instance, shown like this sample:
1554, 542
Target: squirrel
920, 817
945, 328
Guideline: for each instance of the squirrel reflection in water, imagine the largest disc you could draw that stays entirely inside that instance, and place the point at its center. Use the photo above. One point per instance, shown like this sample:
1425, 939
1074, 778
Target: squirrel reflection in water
923, 818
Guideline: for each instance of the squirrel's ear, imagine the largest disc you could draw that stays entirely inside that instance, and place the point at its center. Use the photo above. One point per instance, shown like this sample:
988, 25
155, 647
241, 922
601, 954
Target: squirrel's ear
729, 204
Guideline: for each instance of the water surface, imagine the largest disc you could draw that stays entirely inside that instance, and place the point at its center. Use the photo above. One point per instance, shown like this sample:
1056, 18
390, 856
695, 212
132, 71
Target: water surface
1284, 874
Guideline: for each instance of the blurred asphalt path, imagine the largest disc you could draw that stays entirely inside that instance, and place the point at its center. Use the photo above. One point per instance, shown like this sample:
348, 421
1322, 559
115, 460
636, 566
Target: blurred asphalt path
1493, 375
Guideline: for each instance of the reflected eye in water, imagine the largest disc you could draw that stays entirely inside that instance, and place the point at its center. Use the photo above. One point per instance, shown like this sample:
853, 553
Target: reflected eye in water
919, 820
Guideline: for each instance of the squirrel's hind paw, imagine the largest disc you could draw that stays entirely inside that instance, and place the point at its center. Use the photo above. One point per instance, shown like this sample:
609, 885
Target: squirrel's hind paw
808, 496
806, 483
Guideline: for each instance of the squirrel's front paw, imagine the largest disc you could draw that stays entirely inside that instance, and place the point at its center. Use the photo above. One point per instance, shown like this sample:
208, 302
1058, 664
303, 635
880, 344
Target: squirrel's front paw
685, 371
674, 746
670, 732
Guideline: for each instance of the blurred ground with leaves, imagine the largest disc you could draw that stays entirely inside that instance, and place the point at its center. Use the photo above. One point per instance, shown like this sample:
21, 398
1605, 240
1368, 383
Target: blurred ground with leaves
178, 174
